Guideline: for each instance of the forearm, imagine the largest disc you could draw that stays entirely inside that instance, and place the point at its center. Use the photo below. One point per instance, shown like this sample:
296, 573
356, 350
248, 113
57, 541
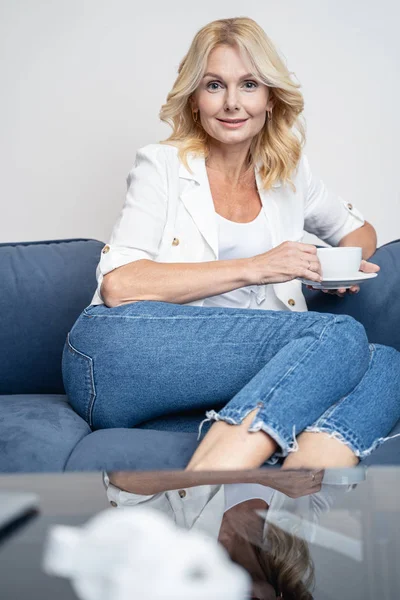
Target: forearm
174, 282
364, 237
147, 483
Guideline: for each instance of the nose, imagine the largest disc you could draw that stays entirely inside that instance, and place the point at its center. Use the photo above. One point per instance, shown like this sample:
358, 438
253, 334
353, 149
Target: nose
231, 100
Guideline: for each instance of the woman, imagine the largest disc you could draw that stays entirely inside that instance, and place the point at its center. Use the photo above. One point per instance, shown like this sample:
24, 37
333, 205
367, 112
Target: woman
198, 304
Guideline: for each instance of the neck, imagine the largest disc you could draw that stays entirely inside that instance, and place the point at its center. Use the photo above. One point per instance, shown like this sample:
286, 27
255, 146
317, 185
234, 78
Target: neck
232, 164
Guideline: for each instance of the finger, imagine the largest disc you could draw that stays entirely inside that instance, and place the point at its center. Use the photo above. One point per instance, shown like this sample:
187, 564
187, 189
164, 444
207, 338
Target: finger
368, 267
310, 248
319, 474
354, 289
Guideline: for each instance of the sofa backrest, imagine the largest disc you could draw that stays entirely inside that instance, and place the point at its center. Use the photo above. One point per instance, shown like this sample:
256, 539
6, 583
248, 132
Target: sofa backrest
44, 287
377, 305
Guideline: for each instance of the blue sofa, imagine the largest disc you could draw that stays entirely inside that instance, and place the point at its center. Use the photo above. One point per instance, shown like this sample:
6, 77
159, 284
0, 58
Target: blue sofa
44, 287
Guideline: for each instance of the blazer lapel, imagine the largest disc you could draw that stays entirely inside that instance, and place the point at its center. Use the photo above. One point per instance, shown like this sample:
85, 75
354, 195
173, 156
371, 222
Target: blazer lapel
270, 207
272, 213
198, 201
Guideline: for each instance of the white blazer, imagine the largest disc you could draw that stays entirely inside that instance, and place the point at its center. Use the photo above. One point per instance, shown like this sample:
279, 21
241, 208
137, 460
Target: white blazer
169, 216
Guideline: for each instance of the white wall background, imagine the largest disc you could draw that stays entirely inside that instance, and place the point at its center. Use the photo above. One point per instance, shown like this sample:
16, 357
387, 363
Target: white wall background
82, 82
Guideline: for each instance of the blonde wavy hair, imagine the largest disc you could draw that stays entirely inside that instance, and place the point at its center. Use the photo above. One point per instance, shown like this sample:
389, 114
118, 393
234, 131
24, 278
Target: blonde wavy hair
279, 144
287, 564
284, 558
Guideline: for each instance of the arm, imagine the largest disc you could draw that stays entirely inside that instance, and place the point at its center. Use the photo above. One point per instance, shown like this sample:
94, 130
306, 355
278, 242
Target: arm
173, 282
127, 270
365, 237
294, 483
330, 217
154, 482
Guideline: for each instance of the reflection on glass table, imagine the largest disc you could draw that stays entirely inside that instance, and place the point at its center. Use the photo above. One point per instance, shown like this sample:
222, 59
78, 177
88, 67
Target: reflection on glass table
274, 551
294, 534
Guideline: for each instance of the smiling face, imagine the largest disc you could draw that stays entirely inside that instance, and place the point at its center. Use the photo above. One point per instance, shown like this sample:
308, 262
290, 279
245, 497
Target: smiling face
231, 92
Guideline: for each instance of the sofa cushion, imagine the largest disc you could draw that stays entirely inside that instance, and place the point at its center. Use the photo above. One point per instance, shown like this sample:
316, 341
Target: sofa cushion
43, 434
376, 305
187, 422
44, 288
136, 449
37, 433
132, 449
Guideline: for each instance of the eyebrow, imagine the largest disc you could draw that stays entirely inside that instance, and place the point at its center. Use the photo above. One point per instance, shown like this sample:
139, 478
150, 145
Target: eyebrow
219, 76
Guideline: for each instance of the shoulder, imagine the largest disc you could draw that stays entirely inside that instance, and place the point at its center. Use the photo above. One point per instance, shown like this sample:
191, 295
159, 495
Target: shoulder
158, 151
153, 158
301, 173
302, 166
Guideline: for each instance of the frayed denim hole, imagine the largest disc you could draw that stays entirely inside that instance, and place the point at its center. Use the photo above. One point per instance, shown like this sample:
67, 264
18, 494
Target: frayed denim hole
292, 447
336, 435
212, 415
332, 425
258, 425
376, 445
272, 431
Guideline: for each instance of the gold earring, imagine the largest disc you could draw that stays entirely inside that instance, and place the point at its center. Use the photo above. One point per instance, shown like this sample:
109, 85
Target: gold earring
269, 113
195, 116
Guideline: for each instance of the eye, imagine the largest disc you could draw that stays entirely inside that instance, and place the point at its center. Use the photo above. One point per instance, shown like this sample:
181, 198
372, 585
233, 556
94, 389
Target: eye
212, 83
217, 83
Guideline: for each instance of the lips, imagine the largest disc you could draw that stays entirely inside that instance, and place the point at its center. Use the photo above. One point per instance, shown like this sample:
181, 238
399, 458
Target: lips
232, 121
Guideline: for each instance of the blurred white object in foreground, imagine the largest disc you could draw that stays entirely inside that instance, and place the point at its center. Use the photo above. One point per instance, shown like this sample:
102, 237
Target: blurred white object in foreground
139, 553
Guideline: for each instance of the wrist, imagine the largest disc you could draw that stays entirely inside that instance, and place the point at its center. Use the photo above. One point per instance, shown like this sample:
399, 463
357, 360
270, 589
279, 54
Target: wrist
252, 272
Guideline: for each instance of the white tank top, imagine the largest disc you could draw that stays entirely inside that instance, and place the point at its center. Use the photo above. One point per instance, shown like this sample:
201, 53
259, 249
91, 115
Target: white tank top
243, 240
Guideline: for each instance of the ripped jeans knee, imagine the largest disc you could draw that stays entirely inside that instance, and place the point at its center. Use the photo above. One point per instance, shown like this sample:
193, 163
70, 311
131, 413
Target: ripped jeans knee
286, 442
363, 419
348, 438
287, 445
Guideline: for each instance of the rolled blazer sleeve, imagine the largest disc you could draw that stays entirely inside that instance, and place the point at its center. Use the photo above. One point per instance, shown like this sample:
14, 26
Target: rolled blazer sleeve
327, 215
138, 230
118, 497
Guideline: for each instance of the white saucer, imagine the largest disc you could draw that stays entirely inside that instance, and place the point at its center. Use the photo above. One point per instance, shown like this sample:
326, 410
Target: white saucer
345, 475
333, 284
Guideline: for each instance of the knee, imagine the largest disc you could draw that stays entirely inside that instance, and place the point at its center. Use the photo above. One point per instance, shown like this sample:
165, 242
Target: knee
388, 359
352, 332
349, 339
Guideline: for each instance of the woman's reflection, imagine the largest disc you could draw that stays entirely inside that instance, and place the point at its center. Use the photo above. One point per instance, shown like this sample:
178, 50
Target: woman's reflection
233, 509
280, 565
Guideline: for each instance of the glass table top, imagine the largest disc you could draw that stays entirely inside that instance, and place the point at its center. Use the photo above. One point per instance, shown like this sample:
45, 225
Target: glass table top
287, 534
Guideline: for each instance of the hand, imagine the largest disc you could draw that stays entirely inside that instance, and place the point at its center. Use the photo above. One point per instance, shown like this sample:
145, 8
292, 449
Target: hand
293, 483
365, 267
289, 260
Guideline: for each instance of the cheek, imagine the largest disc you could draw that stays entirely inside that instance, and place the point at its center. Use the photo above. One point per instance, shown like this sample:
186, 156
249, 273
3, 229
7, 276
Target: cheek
259, 109
209, 103
258, 104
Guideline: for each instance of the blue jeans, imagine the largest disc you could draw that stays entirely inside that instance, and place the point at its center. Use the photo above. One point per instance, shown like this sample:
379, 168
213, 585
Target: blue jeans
302, 371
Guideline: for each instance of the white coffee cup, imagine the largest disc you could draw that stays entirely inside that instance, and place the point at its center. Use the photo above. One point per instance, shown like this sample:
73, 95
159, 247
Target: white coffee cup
339, 263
